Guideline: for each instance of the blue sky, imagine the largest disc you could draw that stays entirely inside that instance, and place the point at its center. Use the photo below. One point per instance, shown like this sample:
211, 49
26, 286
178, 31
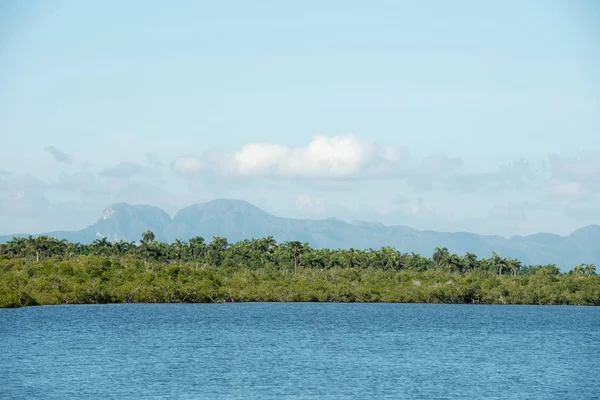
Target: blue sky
463, 115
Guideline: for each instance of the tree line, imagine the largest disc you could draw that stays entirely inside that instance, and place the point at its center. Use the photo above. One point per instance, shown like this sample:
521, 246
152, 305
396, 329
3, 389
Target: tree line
258, 253
44, 270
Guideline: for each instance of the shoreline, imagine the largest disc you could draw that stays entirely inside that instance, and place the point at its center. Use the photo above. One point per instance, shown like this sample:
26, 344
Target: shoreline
43, 271
302, 302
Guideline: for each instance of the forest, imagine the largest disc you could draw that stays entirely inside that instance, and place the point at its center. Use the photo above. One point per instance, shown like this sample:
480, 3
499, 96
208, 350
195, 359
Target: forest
44, 270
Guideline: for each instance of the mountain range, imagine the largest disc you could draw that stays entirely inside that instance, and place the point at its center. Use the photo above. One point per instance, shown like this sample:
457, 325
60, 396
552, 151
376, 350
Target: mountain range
237, 220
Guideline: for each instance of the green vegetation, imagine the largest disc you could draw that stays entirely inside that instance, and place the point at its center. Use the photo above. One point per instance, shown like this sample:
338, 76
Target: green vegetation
43, 270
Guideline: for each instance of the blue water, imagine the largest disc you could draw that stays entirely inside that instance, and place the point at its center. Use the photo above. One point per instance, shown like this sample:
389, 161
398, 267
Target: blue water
300, 351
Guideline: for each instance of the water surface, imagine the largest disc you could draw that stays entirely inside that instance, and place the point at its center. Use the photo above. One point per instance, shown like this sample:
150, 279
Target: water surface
300, 351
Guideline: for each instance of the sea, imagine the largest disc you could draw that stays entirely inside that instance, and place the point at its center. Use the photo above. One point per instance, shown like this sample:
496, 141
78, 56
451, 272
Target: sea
300, 351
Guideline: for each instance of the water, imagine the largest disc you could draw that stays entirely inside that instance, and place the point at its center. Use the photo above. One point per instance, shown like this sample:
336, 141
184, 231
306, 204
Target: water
300, 351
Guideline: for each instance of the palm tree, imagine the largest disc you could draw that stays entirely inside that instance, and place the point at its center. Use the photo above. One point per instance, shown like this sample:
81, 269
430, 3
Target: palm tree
498, 262
552, 268
514, 265
148, 236
216, 249
388, 258
589, 269
218, 243
242, 252
178, 249
441, 257
268, 243
122, 247
577, 270
73, 249
41, 245
16, 246
454, 262
470, 261
101, 246
151, 250
296, 249
316, 261
197, 246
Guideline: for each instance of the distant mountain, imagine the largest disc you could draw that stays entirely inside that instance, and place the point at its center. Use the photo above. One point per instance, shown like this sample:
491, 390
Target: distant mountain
237, 220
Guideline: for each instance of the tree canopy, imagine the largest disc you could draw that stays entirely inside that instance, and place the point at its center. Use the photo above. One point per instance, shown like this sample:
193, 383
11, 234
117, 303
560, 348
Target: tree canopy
30, 268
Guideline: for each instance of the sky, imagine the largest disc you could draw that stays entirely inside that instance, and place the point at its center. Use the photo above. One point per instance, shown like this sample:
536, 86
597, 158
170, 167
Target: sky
451, 116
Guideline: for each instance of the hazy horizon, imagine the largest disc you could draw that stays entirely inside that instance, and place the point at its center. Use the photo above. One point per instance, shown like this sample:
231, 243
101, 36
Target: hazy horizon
462, 116
172, 215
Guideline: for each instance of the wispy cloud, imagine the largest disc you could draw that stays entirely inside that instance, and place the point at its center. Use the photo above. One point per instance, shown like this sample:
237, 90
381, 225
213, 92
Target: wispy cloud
125, 170
582, 213
153, 160
22, 183
557, 189
59, 155
577, 175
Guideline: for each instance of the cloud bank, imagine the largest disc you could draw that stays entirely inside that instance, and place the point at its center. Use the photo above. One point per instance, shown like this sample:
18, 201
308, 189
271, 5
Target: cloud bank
340, 160
337, 157
329, 176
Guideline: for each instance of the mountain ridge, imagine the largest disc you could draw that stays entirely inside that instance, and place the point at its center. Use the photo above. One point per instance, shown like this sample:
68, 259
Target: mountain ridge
238, 219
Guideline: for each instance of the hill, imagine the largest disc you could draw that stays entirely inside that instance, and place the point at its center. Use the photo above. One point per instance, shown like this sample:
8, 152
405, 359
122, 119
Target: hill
237, 220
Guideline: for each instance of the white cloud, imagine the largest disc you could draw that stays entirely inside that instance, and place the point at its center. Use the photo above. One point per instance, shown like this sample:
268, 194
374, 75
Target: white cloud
261, 159
337, 157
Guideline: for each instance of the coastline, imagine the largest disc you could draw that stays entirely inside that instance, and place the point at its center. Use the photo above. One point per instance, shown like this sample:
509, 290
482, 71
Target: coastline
101, 280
